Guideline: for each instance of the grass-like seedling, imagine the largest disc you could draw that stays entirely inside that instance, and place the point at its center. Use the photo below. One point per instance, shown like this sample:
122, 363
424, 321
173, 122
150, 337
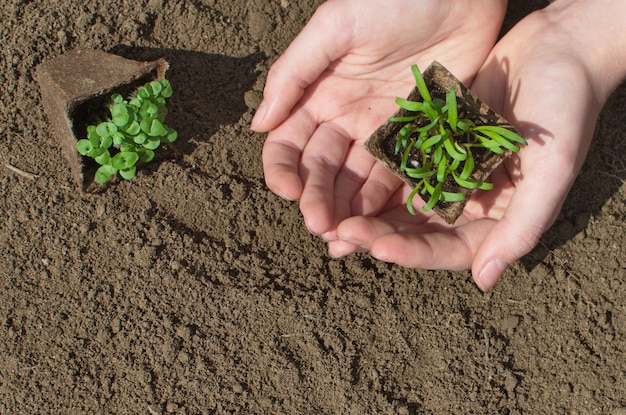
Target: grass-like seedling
136, 128
436, 143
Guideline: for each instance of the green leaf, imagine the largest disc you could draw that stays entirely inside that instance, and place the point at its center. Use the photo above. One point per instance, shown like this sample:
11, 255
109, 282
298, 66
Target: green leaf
166, 92
131, 158
471, 183
140, 138
117, 161
96, 152
171, 135
152, 143
489, 144
402, 137
460, 148
434, 198
104, 173
92, 133
103, 158
428, 127
452, 151
403, 119
161, 113
430, 142
106, 142
120, 115
127, 147
148, 109
156, 87
160, 101
405, 155
118, 139
466, 183
468, 166
503, 142
452, 197
103, 129
157, 129
146, 156
152, 127
128, 173
438, 155
439, 107
111, 127
83, 146
454, 164
464, 125
133, 128
452, 109
421, 172
145, 124
409, 199
93, 152
143, 93
136, 102
121, 120
442, 168
421, 84
504, 132
117, 98
430, 111
95, 141
409, 105
485, 186
123, 161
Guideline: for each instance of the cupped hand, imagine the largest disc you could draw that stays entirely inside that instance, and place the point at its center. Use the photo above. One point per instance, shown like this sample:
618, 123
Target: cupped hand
538, 78
336, 83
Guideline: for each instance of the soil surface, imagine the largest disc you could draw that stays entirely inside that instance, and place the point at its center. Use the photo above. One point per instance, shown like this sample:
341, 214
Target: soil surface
194, 290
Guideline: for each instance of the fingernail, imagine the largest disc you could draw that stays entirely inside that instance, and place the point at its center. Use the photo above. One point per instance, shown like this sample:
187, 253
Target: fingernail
259, 115
490, 274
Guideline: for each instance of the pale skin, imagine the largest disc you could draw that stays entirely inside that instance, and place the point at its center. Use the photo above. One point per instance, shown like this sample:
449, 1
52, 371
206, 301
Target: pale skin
337, 81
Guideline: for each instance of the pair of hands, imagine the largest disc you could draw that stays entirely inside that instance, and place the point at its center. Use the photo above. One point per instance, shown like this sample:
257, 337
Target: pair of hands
336, 83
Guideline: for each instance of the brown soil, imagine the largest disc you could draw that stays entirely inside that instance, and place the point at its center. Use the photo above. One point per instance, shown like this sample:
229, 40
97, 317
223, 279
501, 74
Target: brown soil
194, 290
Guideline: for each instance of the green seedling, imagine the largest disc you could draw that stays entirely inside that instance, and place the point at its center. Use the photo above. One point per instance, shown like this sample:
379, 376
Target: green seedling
436, 144
136, 128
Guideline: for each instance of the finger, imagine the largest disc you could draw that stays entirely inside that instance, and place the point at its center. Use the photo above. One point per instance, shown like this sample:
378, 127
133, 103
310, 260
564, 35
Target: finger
321, 161
322, 41
416, 246
376, 192
354, 171
281, 154
338, 249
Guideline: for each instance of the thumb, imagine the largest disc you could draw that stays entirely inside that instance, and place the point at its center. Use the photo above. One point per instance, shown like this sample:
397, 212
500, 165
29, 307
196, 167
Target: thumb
322, 41
508, 241
533, 208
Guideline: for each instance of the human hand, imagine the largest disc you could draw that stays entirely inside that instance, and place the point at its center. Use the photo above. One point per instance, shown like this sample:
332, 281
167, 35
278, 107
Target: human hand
546, 80
336, 83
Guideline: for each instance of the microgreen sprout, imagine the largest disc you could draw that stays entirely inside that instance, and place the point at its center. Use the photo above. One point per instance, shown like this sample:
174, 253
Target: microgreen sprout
436, 144
134, 131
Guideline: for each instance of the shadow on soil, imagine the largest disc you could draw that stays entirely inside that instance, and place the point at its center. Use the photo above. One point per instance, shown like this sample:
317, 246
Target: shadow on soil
208, 89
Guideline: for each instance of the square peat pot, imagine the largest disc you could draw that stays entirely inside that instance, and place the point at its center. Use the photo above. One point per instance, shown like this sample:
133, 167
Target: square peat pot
77, 84
439, 81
